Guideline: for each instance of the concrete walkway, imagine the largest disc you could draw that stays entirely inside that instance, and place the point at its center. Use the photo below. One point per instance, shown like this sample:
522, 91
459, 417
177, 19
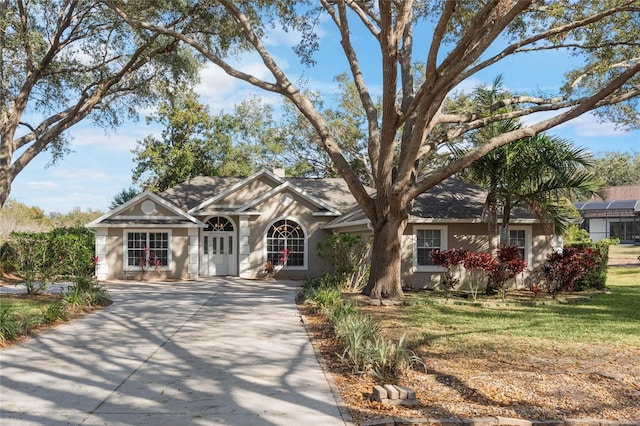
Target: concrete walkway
216, 352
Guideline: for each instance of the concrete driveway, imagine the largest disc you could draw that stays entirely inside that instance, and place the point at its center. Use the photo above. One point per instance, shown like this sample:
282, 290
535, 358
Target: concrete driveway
221, 351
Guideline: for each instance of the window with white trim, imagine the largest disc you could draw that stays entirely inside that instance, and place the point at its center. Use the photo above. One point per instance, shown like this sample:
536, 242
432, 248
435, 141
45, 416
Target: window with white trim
427, 239
286, 243
517, 237
147, 249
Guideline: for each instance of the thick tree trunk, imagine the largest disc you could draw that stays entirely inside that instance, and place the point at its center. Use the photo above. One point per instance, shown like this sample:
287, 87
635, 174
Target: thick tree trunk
5, 189
386, 259
5, 163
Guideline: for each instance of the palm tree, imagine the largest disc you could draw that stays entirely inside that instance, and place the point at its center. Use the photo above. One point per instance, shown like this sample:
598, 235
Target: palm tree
543, 173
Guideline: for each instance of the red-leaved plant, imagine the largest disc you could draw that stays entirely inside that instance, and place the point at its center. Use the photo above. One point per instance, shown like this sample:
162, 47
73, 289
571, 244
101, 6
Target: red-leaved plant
564, 269
508, 265
449, 259
497, 271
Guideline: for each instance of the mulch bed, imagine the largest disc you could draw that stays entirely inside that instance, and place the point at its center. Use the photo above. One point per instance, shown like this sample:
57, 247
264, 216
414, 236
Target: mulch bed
600, 383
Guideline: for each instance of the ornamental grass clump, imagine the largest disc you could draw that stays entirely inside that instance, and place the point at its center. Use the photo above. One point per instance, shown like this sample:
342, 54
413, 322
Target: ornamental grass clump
365, 348
11, 326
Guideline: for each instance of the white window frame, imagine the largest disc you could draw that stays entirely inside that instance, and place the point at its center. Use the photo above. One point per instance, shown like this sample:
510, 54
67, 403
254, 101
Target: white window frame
528, 245
125, 249
443, 246
305, 257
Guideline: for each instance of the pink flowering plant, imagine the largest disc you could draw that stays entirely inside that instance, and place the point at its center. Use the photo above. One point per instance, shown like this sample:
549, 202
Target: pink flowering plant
147, 260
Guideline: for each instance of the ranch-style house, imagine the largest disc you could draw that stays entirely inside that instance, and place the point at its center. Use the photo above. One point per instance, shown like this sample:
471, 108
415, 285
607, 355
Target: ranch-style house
210, 226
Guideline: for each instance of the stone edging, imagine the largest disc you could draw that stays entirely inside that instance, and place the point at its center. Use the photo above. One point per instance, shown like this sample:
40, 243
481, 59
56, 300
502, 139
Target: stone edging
495, 421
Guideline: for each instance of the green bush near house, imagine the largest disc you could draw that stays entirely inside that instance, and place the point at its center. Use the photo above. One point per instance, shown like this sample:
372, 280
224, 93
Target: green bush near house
347, 255
596, 277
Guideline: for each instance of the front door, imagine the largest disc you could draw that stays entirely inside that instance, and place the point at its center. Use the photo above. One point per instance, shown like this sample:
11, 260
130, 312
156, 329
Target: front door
221, 253
219, 247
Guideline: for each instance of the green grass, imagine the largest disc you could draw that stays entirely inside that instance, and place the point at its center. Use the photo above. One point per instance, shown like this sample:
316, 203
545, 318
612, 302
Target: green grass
27, 305
624, 252
606, 319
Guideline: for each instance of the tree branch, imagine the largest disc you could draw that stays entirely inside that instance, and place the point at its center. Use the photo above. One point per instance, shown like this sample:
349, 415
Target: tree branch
552, 32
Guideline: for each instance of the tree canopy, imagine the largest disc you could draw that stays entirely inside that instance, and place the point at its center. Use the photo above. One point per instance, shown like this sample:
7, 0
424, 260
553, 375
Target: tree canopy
65, 61
618, 168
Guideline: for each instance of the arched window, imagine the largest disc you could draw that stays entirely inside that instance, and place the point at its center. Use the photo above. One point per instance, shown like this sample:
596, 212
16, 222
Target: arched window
285, 243
219, 223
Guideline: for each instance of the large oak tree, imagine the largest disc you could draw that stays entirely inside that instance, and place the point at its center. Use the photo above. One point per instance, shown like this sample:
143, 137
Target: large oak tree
64, 61
459, 39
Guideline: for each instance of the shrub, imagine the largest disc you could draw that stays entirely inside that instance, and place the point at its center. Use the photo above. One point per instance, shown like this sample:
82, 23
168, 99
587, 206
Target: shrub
40, 258
33, 256
347, 254
508, 265
448, 259
574, 235
563, 270
596, 277
477, 262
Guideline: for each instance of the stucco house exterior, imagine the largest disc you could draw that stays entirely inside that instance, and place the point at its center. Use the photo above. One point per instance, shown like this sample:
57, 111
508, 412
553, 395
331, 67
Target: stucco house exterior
234, 226
615, 216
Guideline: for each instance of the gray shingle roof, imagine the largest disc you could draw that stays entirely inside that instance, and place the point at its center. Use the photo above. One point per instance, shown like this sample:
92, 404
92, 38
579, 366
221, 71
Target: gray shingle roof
452, 199
194, 191
331, 191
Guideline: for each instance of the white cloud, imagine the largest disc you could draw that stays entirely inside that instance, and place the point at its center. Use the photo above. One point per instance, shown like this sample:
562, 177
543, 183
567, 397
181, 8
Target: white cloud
84, 174
588, 125
214, 82
279, 37
121, 139
42, 185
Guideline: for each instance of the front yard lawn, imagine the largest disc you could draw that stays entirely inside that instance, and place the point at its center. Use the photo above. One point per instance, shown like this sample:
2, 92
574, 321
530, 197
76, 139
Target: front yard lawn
544, 362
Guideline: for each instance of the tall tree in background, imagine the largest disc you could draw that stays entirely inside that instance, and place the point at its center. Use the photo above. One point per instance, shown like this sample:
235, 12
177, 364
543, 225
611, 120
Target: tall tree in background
64, 61
411, 123
194, 142
123, 196
618, 168
251, 137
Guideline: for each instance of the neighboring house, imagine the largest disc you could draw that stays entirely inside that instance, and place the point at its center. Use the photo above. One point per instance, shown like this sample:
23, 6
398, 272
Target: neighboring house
234, 226
617, 216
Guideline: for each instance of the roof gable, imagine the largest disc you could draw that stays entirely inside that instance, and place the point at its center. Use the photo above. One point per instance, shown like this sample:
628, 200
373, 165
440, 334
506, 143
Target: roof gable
288, 185
237, 186
166, 213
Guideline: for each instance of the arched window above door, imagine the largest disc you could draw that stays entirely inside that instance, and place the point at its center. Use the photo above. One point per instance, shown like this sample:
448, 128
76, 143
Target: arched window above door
219, 223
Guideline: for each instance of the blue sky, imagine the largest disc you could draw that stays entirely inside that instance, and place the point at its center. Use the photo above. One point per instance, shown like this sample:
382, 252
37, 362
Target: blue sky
101, 163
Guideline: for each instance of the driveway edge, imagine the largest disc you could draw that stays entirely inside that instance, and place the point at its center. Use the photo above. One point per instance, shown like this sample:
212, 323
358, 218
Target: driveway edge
342, 406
